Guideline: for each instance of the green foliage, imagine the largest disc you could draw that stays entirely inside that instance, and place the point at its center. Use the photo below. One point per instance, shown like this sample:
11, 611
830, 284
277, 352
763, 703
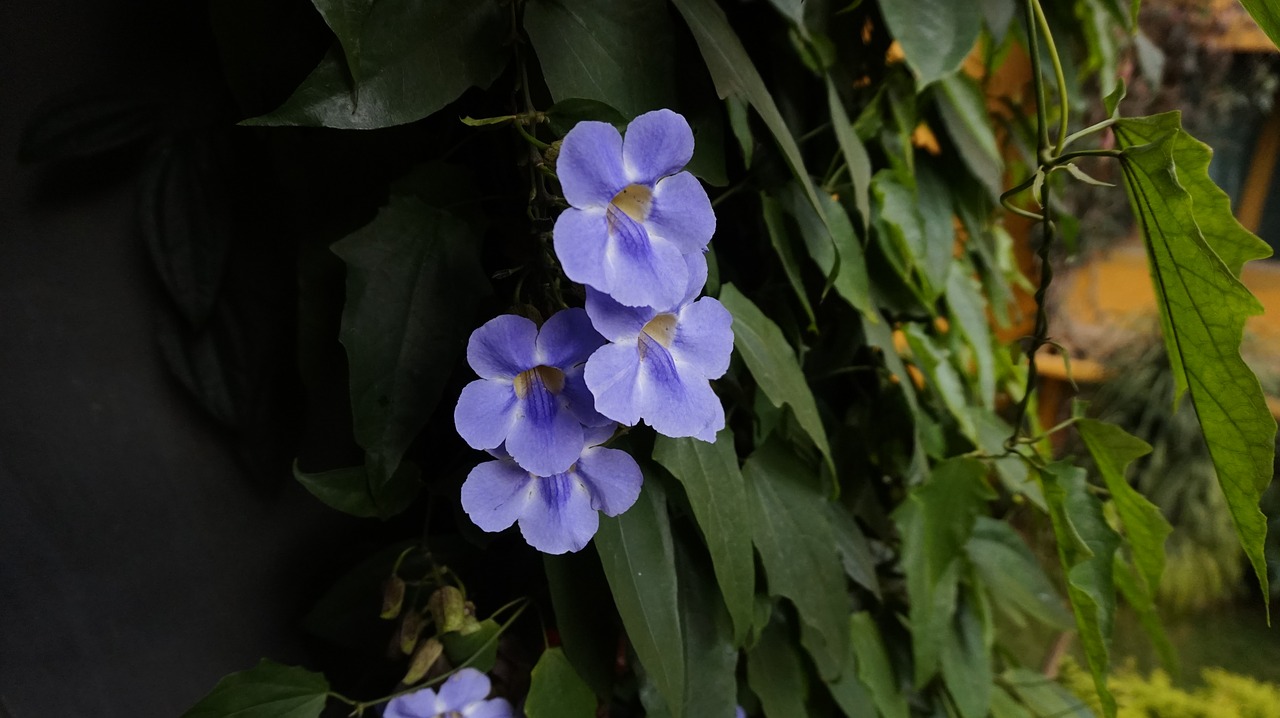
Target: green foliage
935, 34
1196, 249
1223, 694
268, 690
556, 691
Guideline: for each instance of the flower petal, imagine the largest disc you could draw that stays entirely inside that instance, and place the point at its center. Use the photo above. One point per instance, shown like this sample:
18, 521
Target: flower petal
616, 322
697, 264
580, 401
640, 270
674, 398
613, 478
545, 437
658, 144
412, 705
567, 339
560, 518
502, 347
463, 688
704, 337
612, 373
485, 412
496, 493
590, 164
496, 708
681, 213
581, 238
597, 435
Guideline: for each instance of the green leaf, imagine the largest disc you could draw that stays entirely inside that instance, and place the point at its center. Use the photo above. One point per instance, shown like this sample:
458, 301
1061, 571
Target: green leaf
735, 75
933, 198
936, 35
346, 490
637, 555
1004, 705
941, 377
966, 663
1267, 14
1113, 449
935, 522
969, 310
964, 113
740, 123
771, 361
875, 670
718, 497
588, 634
479, 648
900, 232
1013, 577
556, 690
1142, 601
855, 553
268, 690
1196, 250
411, 275
617, 53
775, 223
710, 656
400, 76
1043, 695
563, 115
797, 548
855, 154
1087, 548
775, 673
834, 247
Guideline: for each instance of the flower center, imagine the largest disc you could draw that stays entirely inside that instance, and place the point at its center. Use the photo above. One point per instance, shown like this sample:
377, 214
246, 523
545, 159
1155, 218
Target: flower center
634, 201
662, 329
548, 377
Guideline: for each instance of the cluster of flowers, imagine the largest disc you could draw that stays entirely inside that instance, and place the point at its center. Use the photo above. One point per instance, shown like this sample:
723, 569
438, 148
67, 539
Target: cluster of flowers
645, 347
463, 694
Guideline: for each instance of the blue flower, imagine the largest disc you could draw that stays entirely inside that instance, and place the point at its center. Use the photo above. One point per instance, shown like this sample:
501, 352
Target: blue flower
659, 362
463, 694
557, 513
634, 214
530, 394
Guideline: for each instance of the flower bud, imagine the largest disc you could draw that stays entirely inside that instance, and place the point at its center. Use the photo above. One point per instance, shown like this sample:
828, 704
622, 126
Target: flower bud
552, 153
410, 628
448, 607
392, 597
423, 659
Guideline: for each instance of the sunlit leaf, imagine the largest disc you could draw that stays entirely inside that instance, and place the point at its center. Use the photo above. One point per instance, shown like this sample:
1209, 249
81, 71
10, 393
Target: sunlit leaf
1267, 14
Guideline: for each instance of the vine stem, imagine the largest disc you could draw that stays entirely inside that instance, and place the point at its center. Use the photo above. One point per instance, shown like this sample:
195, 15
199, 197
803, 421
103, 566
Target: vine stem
1063, 110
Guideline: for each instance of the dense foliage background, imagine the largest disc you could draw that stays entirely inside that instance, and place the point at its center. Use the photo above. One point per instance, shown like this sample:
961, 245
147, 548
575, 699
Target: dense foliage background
854, 542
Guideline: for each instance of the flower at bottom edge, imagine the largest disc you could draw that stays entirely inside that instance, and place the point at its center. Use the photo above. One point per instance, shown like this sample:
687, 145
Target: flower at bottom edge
557, 513
463, 694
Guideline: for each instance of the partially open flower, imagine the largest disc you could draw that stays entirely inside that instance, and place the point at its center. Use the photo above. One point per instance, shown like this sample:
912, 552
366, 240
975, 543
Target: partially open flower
659, 362
634, 214
557, 513
463, 694
530, 395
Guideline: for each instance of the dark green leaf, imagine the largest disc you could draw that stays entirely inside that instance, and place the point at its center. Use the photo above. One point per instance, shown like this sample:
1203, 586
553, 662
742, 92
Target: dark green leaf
874, 669
935, 522
346, 490
969, 310
964, 113
942, 378
402, 76
1267, 14
775, 223
346, 18
740, 123
556, 690
617, 53
268, 690
1013, 577
899, 230
966, 663
636, 552
1113, 449
588, 633
1087, 548
1004, 705
711, 686
771, 361
563, 115
775, 673
849, 692
797, 547
478, 649
855, 155
855, 554
935, 34
1196, 249
851, 281
1043, 695
717, 494
411, 274
735, 75
88, 122
933, 198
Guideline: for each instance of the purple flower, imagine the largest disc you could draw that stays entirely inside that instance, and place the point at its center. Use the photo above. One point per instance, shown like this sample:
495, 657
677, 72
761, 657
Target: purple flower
634, 215
463, 694
659, 363
530, 394
557, 513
